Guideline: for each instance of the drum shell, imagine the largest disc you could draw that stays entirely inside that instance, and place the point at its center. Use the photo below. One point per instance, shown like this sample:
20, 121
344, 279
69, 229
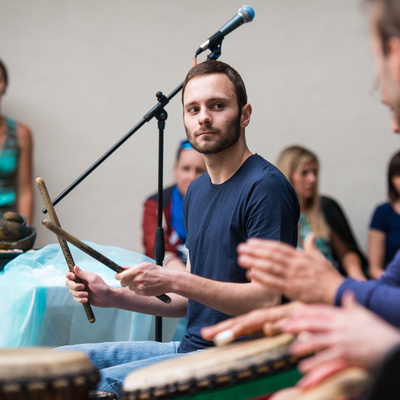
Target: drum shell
38, 373
240, 371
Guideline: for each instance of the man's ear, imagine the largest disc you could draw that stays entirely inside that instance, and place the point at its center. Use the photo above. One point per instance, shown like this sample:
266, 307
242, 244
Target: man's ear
393, 56
245, 117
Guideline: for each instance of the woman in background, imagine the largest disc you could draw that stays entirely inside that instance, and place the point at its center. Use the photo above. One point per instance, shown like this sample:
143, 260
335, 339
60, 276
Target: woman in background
16, 184
384, 232
335, 242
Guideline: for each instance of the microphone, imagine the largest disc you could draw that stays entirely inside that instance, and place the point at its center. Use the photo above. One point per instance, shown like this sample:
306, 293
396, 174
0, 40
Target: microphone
244, 14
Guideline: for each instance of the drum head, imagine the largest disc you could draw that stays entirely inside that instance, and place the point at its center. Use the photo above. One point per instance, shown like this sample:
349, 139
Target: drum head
210, 368
41, 373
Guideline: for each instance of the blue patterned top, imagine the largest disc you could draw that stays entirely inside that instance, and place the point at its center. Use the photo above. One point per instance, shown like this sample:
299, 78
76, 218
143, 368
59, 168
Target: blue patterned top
324, 246
8, 167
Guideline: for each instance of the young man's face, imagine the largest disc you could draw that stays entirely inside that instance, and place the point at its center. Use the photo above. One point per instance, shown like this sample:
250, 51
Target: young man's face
211, 113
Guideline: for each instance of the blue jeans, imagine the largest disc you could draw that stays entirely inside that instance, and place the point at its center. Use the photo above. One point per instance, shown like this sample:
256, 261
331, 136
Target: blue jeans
116, 360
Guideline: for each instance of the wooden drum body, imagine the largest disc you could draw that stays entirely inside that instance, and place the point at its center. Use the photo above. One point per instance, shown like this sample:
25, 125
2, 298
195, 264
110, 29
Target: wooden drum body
238, 371
38, 373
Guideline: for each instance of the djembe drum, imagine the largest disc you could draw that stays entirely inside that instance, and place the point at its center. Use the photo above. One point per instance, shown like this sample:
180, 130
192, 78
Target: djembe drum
237, 371
38, 373
348, 384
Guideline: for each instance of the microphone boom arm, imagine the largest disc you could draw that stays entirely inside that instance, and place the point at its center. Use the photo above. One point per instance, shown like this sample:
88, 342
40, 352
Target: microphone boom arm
156, 110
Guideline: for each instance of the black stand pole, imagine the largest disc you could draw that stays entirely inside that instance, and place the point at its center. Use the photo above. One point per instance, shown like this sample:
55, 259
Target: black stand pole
159, 240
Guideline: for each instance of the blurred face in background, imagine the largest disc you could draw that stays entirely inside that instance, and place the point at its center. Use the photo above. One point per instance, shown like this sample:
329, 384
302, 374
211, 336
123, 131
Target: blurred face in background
3, 84
304, 180
189, 166
387, 63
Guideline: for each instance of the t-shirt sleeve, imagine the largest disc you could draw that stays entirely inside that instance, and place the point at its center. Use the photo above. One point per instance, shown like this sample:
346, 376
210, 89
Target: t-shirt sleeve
379, 219
273, 211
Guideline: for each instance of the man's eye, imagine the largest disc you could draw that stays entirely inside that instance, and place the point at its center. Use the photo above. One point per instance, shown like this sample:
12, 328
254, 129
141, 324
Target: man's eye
219, 106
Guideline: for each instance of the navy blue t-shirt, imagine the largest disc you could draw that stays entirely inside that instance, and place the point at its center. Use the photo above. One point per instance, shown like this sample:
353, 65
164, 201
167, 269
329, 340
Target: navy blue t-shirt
387, 220
257, 201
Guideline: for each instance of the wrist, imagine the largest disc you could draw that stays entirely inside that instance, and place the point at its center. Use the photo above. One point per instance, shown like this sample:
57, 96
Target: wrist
112, 297
331, 291
176, 279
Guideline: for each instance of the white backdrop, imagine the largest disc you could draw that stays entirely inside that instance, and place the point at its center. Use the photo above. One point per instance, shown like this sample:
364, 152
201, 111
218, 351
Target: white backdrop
84, 72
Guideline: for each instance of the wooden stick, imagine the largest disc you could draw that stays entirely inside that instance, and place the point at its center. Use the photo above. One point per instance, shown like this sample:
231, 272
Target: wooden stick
63, 244
91, 252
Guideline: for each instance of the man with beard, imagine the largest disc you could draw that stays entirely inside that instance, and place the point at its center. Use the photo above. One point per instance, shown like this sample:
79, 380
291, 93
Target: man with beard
240, 196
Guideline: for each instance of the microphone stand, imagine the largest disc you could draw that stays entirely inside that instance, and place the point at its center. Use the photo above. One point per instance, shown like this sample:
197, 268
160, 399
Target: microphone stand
161, 115
159, 241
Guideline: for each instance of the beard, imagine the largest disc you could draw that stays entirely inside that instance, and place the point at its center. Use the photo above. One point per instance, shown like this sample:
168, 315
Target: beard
223, 142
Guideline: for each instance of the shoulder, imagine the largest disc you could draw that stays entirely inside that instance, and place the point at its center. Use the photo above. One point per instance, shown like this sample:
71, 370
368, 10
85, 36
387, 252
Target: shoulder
384, 208
24, 134
265, 175
166, 195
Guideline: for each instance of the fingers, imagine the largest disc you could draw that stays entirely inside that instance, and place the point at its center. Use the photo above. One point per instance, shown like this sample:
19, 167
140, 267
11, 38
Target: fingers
266, 279
317, 375
77, 289
264, 254
247, 324
322, 358
278, 317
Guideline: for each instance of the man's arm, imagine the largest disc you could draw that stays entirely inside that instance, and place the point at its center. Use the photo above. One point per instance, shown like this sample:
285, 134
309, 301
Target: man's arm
230, 298
95, 290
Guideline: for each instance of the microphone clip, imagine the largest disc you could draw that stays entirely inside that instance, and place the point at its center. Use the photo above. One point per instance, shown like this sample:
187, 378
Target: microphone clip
214, 45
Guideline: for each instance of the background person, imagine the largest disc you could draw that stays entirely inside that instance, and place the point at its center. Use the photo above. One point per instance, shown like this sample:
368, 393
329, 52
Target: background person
336, 243
16, 161
189, 165
384, 231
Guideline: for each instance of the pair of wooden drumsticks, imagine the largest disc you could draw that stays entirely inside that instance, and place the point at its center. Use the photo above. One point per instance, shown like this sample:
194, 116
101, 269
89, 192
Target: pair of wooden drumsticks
64, 237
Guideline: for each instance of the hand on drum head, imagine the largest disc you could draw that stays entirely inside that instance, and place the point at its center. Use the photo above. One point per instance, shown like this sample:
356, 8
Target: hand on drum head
92, 288
306, 275
340, 338
268, 320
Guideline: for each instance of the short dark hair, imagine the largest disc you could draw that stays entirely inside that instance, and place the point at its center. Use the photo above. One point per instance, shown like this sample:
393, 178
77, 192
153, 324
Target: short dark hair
5, 74
388, 23
219, 67
393, 170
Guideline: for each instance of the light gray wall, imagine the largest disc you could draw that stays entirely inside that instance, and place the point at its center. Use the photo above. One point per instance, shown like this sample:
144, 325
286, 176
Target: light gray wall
84, 72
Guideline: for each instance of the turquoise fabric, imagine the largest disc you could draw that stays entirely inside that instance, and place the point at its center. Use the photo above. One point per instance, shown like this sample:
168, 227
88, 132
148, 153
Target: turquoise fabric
8, 166
323, 245
24, 281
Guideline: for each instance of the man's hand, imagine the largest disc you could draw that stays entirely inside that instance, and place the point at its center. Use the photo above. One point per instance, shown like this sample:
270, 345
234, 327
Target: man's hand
268, 320
92, 288
306, 275
340, 338
146, 279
